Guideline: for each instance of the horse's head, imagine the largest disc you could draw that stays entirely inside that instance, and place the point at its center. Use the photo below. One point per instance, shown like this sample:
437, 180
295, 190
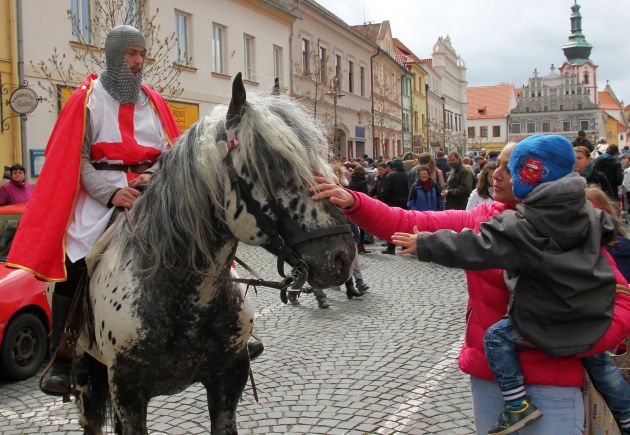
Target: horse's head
273, 148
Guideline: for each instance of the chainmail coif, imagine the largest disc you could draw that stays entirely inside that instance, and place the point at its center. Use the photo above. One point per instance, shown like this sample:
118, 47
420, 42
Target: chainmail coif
117, 79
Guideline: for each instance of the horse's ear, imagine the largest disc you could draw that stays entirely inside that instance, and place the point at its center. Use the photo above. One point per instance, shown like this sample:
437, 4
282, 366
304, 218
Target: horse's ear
236, 103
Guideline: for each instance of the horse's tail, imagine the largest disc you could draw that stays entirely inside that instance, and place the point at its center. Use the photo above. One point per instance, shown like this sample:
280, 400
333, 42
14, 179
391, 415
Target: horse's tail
94, 402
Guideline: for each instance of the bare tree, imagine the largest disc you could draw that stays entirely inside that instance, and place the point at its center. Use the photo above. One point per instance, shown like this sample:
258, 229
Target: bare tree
89, 56
443, 135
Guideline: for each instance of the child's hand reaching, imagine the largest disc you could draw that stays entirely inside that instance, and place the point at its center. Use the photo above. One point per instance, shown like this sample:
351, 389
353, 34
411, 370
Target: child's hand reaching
407, 241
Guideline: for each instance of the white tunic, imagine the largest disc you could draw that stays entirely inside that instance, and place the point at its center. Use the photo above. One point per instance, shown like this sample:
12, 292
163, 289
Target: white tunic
90, 217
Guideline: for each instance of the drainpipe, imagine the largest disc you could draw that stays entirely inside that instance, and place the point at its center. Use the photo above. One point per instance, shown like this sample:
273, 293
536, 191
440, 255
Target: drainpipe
20, 64
378, 50
291, 61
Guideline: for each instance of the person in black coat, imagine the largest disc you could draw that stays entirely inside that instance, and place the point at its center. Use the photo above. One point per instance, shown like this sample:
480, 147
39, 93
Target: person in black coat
395, 192
609, 165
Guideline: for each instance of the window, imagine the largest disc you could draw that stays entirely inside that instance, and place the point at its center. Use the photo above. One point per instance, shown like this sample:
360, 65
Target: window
362, 70
496, 131
531, 127
248, 54
323, 58
583, 124
182, 22
483, 131
350, 76
471, 132
566, 125
218, 48
545, 127
277, 62
338, 67
306, 48
516, 128
80, 10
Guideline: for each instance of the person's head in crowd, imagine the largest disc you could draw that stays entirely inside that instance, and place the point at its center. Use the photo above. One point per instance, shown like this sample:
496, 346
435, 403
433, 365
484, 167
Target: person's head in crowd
18, 174
424, 173
493, 155
397, 164
381, 168
467, 161
582, 159
359, 172
581, 134
502, 179
454, 160
483, 153
539, 159
483, 162
601, 140
427, 160
484, 180
602, 201
625, 149
339, 171
408, 156
612, 150
440, 154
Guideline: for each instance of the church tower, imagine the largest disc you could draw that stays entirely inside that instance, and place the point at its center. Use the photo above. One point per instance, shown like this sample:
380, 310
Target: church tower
577, 52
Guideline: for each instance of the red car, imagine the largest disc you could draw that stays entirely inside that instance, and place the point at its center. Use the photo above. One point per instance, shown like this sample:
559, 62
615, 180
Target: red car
25, 319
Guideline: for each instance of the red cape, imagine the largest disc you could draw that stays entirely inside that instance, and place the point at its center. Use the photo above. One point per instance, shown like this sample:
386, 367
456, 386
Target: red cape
39, 243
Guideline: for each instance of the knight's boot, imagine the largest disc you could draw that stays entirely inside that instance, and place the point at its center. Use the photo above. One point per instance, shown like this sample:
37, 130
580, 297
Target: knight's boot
255, 349
58, 381
322, 300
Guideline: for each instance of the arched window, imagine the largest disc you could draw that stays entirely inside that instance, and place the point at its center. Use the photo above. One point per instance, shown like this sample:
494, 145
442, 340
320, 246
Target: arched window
586, 78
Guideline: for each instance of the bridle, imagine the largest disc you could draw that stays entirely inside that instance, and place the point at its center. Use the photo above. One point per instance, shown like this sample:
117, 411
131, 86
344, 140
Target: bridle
284, 249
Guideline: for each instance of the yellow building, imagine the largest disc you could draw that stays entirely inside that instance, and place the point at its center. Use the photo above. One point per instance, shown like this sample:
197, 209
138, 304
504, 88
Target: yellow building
10, 145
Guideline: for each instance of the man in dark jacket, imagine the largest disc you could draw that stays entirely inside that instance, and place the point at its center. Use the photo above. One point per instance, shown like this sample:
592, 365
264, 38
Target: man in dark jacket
609, 165
395, 192
442, 163
459, 185
581, 140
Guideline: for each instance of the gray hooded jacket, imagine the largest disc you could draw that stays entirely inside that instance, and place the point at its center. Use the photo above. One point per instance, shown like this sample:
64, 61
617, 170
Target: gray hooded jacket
562, 287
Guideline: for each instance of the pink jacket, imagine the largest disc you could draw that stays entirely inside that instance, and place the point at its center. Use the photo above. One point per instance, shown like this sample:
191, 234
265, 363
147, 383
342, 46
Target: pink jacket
487, 295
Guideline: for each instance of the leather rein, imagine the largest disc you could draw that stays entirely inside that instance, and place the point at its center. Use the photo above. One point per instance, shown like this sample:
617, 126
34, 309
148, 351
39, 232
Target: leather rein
284, 249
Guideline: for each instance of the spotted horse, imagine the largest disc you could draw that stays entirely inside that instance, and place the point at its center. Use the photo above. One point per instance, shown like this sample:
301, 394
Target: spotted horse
164, 312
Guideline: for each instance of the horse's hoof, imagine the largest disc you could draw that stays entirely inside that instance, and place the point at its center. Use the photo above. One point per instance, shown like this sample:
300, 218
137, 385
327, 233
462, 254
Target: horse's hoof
56, 385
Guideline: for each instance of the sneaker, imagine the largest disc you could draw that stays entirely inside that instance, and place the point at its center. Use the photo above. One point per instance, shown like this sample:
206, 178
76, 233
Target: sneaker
363, 288
512, 420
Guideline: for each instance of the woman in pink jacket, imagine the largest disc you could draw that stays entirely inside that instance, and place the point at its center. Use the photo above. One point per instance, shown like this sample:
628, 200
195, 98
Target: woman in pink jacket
554, 383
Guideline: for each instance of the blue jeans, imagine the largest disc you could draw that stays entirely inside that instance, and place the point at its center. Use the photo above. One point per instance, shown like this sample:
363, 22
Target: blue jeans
610, 383
562, 408
501, 343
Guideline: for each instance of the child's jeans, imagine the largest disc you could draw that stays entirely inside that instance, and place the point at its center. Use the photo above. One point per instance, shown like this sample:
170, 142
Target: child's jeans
501, 343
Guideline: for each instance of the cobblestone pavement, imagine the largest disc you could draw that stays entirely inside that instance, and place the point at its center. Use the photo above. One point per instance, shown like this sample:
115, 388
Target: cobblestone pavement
384, 363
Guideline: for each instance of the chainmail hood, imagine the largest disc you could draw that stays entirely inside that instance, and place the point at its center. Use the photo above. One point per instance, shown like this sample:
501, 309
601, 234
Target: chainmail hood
117, 79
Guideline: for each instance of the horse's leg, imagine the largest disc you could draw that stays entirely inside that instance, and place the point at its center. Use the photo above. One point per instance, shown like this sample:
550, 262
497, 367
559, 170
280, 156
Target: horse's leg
130, 405
91, 382
224, 392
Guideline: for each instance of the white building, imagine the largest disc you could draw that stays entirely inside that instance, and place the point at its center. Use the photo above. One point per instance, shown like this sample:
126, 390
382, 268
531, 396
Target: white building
487, 119
332, 75
214, 41
446, 97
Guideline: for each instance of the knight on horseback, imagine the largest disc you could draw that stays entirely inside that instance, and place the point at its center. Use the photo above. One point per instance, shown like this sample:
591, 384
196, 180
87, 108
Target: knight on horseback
105, 145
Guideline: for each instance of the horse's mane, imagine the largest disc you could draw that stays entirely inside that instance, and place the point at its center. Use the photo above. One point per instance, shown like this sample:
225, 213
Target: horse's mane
182, 210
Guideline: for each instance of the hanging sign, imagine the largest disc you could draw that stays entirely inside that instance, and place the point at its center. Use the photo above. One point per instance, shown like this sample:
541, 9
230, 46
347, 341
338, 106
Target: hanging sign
23, 100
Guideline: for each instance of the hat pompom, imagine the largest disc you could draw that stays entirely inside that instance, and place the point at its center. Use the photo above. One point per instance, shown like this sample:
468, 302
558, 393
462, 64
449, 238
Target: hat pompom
539, 159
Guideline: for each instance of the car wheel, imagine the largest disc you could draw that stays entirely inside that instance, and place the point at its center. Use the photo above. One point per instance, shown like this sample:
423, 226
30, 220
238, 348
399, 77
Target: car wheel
24, 347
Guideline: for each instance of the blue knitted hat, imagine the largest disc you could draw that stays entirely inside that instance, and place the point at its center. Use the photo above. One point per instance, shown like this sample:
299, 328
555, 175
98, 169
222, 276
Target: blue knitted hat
539, 159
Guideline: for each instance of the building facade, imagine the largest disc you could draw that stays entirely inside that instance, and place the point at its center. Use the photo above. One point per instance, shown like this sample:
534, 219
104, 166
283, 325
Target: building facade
332, 76
213, 41
446, 97
418, 99
10, 125
487, 118
387, 77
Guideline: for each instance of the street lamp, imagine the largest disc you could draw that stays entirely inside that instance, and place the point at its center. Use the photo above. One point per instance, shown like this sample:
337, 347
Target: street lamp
335, 94
444, 122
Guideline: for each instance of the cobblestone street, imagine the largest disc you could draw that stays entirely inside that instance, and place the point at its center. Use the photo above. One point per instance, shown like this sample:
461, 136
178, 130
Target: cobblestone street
384, 363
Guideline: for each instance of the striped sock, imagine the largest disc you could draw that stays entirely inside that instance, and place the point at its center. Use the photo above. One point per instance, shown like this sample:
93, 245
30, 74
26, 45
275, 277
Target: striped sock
514, 397
625, 423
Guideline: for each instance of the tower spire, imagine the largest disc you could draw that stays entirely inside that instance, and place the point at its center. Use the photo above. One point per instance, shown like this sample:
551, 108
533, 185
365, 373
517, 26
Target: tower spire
577, 50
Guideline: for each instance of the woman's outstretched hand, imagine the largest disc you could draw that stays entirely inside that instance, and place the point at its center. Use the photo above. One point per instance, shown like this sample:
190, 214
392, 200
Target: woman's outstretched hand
407, 241
336, 194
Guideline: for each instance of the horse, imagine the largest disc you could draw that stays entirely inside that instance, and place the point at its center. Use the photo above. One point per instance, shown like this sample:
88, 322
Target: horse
164, 310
